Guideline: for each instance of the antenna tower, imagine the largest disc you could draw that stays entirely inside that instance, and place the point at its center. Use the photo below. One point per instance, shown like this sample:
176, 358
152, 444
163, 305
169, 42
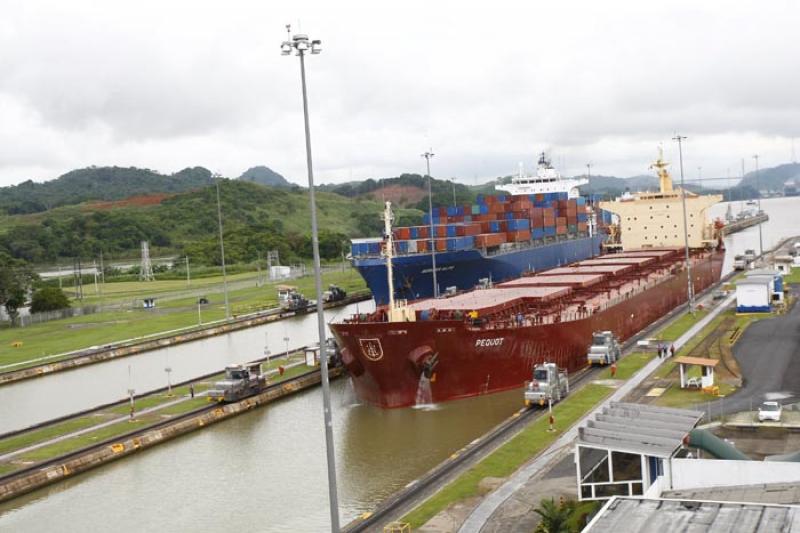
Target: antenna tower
146, 268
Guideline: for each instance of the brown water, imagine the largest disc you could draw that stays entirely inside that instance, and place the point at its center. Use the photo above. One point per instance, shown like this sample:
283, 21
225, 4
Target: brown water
265, 470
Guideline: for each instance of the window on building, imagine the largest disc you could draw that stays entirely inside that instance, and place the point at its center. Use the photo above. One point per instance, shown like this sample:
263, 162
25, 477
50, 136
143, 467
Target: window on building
626, 466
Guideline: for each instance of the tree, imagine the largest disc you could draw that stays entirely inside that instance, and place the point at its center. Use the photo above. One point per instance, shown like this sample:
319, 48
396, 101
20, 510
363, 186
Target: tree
16, 278
49, 299
555, 517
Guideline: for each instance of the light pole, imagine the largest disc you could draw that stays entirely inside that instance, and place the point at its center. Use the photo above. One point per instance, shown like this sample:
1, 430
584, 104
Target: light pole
690, 287
428, 155
222, 253
301, 44
758, 190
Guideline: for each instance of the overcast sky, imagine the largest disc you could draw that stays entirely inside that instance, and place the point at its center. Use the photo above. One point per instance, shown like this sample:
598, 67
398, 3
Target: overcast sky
166, 85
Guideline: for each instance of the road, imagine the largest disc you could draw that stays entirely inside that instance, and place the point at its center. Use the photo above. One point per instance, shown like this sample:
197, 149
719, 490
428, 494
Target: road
770, 361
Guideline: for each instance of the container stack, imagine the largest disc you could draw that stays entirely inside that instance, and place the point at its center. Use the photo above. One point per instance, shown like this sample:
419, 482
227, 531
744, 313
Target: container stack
493, 221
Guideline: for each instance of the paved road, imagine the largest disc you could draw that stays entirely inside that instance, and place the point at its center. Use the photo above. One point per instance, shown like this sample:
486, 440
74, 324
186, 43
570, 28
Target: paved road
769, 356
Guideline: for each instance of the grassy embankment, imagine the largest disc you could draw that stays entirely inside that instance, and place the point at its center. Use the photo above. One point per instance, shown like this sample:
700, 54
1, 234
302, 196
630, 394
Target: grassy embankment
59, 336
46, 433
674, 396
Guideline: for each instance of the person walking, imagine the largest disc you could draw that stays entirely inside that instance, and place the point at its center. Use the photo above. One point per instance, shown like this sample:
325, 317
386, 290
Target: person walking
672, 350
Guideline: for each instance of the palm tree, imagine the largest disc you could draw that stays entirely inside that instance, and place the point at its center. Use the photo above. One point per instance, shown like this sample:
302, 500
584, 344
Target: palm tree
555, 517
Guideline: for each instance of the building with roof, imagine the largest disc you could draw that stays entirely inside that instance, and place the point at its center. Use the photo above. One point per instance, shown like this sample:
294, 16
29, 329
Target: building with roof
636, 515
753, 295
627, 447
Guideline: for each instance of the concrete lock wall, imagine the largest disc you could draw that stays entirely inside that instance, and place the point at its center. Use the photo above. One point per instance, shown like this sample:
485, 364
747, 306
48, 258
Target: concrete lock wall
703, 473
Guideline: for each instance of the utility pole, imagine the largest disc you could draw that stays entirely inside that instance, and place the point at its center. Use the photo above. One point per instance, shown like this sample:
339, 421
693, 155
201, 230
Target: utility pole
588, 170
758, 186
428, 155
690, 285
300, 44
222, 252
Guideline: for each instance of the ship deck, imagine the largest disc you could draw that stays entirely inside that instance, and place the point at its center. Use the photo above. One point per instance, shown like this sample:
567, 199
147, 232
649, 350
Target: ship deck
557, 295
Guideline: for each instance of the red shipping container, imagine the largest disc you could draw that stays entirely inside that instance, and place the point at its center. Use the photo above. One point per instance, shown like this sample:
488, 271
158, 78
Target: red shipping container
423, 231
402, 234
518, 236
441, 245
490, 239
549, 222
537, 222
441, 231
572, 220
583, 226
561, 221
561, 230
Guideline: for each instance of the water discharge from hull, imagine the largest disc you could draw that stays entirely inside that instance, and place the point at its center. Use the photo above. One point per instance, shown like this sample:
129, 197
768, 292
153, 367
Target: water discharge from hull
424, 392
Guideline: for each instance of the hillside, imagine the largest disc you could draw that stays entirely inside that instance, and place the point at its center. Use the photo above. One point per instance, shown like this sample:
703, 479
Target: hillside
265, 176
97, 183
772, 179
255, 219
406, 190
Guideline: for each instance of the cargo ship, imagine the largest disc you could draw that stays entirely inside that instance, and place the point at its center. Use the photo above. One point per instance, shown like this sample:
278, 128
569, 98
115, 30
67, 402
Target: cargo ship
487, 340
534, 223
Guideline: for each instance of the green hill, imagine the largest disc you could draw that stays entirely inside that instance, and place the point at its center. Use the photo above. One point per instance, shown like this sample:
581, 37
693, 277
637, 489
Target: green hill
265, 176
255, 219
99, 184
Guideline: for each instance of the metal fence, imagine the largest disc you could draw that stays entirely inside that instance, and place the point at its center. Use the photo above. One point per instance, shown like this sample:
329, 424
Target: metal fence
46, 316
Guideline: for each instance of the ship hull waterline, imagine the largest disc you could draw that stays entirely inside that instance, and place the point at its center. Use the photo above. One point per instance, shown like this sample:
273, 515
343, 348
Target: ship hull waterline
476, 361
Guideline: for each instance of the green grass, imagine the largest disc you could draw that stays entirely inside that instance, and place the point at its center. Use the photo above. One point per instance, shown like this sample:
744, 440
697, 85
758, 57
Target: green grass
629, 365
32, 437
677, 397
680, 326
70, 334
509, 457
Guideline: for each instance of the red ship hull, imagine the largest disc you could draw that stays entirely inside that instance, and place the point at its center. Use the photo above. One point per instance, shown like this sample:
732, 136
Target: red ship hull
384, 357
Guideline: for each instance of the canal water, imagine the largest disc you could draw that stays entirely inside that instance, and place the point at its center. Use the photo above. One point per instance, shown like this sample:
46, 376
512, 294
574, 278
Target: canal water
265, 470
32, 401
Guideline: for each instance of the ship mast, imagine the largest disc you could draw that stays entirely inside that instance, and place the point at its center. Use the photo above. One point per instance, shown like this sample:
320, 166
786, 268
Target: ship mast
665, 180
389, 251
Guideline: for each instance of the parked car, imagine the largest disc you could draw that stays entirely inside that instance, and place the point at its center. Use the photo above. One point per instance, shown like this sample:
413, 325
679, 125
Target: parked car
770, 411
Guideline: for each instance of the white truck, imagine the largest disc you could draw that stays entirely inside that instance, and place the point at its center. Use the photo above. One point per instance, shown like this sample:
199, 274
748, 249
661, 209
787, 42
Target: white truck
549, 385
604, 350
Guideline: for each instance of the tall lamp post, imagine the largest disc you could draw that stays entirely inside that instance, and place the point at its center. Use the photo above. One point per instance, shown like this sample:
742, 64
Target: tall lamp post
428, 155
301, 44
690, 287
222, 252
758, 190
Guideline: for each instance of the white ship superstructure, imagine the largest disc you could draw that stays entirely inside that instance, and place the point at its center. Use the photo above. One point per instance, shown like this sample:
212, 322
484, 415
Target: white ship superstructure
546, 180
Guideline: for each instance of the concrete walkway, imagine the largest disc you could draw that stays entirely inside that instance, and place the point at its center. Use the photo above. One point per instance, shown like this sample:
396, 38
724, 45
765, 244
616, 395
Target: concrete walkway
95, 427
484, 511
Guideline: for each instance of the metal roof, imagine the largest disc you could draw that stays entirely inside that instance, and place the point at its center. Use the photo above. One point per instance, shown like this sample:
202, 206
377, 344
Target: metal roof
487, 299
757, 280
702, 361
782, 493
604, 269
638, 428
762, 272
634, 515
574, 280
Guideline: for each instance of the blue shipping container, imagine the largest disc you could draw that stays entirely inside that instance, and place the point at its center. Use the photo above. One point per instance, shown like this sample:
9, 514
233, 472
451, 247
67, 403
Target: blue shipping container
538, 233
550, 231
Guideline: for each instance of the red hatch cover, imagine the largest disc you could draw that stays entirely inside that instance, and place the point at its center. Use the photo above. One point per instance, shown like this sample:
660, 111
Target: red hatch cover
487, 300
614, 270
571, 280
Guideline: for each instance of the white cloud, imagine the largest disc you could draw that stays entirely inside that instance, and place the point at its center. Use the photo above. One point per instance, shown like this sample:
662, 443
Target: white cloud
169, 85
